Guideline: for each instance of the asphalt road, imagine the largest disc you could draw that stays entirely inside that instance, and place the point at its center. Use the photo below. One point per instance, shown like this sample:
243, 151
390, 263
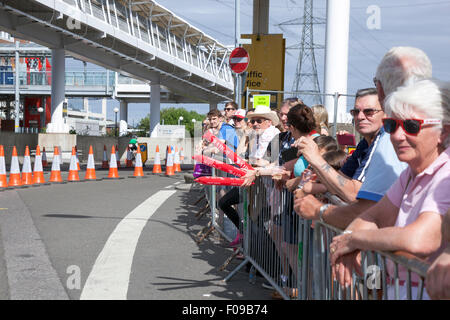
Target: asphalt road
56, 237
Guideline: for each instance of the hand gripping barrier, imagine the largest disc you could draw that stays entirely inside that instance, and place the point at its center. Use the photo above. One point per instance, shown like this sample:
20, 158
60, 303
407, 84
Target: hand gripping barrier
293, 256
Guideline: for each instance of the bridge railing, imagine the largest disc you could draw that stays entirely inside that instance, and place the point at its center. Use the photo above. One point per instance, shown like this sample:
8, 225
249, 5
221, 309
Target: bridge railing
208, 56
73, 78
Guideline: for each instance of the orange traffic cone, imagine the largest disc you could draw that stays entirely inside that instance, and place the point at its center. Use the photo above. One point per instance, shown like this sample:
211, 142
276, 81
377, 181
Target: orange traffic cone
113, 172
38, 174
176, 161
3, 180
138, 168
44, 158
105, 164
73, 169
129, 162
27, 174
90, 169
55, 175
78, 161
157, 162
14, 177
117, 156
169, 165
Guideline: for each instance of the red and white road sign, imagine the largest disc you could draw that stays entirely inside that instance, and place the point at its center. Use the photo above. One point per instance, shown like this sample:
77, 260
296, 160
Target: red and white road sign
239, 60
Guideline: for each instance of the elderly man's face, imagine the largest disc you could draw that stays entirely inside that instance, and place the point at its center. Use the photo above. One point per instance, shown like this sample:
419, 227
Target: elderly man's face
416, 149
283, 116
368, 115
259, 124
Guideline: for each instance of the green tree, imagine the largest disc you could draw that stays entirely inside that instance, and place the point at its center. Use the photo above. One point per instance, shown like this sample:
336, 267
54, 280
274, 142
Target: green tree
144, 127
170, 116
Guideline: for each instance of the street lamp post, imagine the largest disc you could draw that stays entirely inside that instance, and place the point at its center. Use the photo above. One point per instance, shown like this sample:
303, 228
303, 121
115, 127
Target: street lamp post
180, 119
115, 122
41, 117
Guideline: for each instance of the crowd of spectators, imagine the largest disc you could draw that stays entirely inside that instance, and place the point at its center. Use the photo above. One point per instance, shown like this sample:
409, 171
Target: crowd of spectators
395, 184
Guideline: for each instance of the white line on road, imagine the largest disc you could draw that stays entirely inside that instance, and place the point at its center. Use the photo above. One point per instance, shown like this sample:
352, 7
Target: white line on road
110, 275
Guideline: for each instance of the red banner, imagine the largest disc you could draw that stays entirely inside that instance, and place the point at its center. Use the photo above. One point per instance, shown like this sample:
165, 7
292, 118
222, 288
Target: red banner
219, 181
219, 165
227, 151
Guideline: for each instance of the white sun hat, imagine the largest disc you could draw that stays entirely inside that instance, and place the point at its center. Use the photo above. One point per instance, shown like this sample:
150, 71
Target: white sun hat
266, 113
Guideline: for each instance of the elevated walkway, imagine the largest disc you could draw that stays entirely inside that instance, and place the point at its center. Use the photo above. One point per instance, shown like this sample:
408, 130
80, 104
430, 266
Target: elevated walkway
140, 39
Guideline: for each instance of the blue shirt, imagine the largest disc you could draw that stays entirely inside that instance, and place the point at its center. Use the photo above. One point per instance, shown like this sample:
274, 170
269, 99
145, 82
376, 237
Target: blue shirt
228, 133
383, 169
356, 165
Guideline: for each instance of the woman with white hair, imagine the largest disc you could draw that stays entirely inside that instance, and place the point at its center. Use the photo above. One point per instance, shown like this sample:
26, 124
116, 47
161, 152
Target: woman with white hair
409, 217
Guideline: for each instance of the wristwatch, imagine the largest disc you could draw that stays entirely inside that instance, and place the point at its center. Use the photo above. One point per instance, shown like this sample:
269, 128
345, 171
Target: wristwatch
322, 209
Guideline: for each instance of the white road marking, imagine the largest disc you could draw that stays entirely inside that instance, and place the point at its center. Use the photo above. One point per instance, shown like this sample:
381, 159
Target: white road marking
178, 182
110, 275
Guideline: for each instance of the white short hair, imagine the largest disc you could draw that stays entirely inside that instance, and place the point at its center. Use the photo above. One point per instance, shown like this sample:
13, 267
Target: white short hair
402, 66
430, 97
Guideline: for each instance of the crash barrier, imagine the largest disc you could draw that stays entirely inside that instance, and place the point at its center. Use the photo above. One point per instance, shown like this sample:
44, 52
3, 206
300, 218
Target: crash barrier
218, 221
383, 275
292, 253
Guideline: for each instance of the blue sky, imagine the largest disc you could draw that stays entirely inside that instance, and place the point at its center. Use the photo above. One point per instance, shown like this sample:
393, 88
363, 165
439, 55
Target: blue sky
420, 23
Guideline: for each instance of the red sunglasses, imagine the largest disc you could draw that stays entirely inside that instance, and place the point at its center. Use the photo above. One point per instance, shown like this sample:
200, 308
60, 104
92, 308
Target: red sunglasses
410, 126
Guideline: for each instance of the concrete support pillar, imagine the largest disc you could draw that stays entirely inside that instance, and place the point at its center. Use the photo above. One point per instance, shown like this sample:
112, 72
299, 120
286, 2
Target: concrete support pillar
17, 90
57, 124
336, 56
212, 106
86, 107
123, 126
104, 105
155, 106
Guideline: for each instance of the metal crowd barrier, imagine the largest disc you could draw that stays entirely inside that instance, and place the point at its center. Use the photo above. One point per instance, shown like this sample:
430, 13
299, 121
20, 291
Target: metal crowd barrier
217, 219
292, 253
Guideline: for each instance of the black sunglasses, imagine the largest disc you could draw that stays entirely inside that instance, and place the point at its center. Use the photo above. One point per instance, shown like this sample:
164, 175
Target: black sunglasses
410, 126
228, 109
259, 121
237, 119
367, 112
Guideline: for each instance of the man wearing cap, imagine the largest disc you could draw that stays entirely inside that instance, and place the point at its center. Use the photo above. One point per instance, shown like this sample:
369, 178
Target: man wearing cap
239, 122
263, 121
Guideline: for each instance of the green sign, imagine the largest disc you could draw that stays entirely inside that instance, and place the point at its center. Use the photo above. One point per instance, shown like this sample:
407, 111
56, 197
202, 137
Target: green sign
261, 100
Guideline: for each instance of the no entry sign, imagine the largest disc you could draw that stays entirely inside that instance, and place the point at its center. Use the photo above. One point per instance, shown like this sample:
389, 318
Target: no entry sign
239, 60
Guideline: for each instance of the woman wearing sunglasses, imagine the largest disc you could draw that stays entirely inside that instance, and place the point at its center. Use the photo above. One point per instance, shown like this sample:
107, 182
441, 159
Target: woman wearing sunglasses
409, 217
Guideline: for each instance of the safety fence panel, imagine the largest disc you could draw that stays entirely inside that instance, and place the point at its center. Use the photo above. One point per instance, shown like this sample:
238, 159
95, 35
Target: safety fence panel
293, 253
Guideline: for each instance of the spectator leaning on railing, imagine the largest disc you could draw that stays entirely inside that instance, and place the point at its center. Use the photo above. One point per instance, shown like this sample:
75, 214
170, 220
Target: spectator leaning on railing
409, 217
400, 65
346, 182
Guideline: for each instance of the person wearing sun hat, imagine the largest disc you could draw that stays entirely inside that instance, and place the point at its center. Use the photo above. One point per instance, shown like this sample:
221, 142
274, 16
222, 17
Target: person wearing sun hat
263, 121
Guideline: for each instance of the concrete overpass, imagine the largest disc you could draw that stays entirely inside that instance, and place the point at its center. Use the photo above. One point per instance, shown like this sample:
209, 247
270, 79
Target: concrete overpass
140, 39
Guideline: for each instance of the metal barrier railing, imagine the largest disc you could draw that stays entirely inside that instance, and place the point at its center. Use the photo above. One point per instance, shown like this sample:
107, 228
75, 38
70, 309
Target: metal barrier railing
292, 253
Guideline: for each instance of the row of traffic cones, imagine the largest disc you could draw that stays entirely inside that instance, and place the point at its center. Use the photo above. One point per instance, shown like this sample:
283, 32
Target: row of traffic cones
36, 177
